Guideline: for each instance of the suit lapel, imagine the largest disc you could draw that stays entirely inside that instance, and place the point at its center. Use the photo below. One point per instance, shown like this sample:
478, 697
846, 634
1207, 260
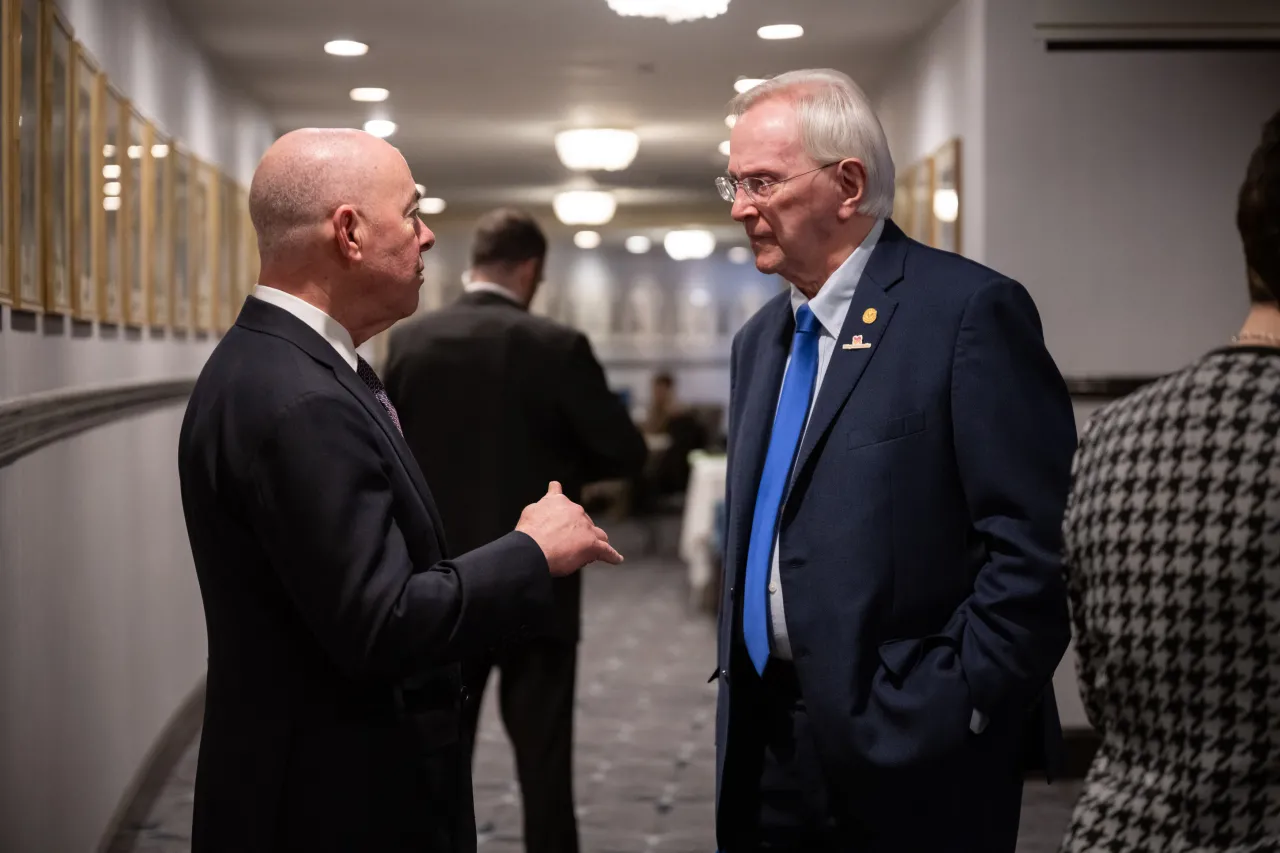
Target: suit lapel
269, 319
764, 383
884, 269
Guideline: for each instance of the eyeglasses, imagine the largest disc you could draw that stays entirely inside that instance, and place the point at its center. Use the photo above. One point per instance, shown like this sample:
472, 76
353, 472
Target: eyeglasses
757, 189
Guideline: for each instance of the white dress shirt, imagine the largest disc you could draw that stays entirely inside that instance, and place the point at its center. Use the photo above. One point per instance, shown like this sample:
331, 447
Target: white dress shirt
324, 325
490, 287
829, 307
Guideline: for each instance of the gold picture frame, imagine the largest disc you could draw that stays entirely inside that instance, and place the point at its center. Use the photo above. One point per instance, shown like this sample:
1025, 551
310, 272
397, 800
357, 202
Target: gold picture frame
947, 197
160, 229
110, 254
57, 117
28, 289
203, 260
228, 250
86, 171
922, 201
7, 77
138, 229
181, 318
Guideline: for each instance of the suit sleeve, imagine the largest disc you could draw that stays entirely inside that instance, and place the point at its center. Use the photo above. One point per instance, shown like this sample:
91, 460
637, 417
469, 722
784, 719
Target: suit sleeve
1014, 435
322, 505
611, 442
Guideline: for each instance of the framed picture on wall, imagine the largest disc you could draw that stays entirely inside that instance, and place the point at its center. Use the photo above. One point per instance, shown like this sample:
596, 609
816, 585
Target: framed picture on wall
110, 254
228, 253
86, 183
922, 201
180, 318
946, 197
159, 283
137, 205
202, 262
7, 76
29, 294
58, 113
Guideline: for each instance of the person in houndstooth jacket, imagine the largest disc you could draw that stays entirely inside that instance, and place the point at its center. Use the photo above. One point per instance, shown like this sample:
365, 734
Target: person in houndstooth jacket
1172, 536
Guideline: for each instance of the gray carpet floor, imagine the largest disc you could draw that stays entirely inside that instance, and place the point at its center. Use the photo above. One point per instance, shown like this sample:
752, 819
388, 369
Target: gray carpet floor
645, 756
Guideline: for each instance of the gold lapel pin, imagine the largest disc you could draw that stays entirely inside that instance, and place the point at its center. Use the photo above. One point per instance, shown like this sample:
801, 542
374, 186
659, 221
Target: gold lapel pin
856, 343
869, 316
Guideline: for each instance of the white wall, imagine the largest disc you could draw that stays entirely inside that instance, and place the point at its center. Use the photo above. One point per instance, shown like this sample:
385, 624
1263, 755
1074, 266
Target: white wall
1111, 191
101, 628
938, 92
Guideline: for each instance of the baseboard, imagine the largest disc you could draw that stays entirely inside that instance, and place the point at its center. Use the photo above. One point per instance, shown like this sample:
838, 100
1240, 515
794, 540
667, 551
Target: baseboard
157, 767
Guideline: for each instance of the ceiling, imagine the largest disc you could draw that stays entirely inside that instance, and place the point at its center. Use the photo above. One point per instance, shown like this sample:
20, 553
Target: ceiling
479, 87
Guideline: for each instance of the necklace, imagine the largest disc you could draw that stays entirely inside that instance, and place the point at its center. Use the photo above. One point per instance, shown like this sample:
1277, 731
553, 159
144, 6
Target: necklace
1256, 337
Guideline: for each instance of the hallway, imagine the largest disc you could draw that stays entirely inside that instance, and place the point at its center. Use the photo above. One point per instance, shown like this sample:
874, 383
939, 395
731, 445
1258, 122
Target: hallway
645, 729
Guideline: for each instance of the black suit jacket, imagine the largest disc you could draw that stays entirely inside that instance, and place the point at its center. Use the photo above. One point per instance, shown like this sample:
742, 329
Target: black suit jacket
335, 619
497, 402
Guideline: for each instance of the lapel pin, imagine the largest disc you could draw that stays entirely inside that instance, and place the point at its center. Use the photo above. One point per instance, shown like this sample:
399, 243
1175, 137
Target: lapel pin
856, 343
869, 316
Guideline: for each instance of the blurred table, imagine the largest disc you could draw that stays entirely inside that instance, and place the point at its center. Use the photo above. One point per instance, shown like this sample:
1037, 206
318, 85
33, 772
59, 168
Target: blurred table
707, 474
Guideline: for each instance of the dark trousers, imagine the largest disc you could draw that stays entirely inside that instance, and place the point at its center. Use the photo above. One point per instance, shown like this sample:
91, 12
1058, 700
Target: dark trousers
535, 692
787, 805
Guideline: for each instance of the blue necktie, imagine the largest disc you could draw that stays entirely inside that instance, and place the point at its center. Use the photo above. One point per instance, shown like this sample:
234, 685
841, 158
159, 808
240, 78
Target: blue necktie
788, 426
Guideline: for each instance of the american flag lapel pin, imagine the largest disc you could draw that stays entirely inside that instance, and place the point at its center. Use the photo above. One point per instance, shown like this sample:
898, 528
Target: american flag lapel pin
857, 343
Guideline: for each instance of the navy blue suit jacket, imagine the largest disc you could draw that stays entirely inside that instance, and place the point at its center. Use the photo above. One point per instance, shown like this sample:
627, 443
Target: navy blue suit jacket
920, 548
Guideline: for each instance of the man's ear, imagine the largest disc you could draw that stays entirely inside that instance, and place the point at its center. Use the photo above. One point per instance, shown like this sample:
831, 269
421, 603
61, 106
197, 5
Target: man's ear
348, 233
852, 177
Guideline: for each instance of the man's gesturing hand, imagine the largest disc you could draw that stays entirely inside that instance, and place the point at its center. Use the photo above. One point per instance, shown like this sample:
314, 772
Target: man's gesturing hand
565, 533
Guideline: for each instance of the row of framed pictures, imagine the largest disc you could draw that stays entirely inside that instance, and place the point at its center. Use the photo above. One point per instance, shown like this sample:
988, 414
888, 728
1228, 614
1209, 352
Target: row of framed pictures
926, 202
105, 217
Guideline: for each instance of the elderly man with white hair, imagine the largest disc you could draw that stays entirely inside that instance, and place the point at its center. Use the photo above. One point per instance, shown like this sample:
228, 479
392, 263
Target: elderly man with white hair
900, 446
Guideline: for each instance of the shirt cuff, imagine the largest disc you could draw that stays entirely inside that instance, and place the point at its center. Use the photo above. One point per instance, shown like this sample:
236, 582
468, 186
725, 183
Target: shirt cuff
978, 722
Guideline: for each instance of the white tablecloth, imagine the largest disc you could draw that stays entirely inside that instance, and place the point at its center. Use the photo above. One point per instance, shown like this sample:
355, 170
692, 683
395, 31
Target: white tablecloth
706, 489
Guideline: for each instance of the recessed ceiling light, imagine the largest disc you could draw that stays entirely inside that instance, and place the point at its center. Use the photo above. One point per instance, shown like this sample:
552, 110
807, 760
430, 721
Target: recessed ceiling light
586, 239
724, 148
345, 47
774, 32
743, 84
422, 190
639, 244
730, 121
739, 255
380, 127
159, 150
369, 94
431, 206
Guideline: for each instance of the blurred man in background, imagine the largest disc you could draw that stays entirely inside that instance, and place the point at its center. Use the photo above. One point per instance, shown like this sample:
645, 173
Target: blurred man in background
495, 402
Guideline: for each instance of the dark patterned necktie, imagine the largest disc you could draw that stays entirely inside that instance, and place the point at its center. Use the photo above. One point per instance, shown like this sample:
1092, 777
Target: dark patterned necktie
370, 378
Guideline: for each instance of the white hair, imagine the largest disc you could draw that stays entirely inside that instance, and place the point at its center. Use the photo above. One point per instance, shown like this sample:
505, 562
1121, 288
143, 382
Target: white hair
836, 123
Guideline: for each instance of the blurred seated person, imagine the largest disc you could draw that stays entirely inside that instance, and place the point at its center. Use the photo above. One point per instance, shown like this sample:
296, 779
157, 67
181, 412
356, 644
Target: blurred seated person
672, 431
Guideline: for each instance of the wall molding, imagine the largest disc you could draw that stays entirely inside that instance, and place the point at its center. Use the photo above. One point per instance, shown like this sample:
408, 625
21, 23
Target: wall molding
32, 422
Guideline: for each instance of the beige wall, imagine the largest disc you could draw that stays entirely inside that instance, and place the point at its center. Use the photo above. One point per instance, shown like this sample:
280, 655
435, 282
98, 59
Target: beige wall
101, 627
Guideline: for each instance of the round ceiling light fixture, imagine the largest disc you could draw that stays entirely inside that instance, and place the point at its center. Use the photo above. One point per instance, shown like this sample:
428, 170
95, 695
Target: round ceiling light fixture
673, 11
584, 207
369, 94
586, 239
776, 32
346, 47
380, 127
597, 148
638, 244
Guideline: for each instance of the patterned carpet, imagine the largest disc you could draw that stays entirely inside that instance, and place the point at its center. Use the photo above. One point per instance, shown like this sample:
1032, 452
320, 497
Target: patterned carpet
645, 726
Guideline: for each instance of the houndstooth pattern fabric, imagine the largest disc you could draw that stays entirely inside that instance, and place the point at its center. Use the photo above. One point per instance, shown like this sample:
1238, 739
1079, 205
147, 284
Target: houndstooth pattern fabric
1173, 567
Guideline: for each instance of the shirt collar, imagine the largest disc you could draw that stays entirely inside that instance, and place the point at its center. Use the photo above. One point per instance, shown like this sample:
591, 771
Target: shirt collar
490, 287
321, 323
831, 304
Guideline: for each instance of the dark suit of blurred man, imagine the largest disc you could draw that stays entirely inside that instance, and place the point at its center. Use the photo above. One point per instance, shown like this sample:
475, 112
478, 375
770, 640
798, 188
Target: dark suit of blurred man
495, 402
